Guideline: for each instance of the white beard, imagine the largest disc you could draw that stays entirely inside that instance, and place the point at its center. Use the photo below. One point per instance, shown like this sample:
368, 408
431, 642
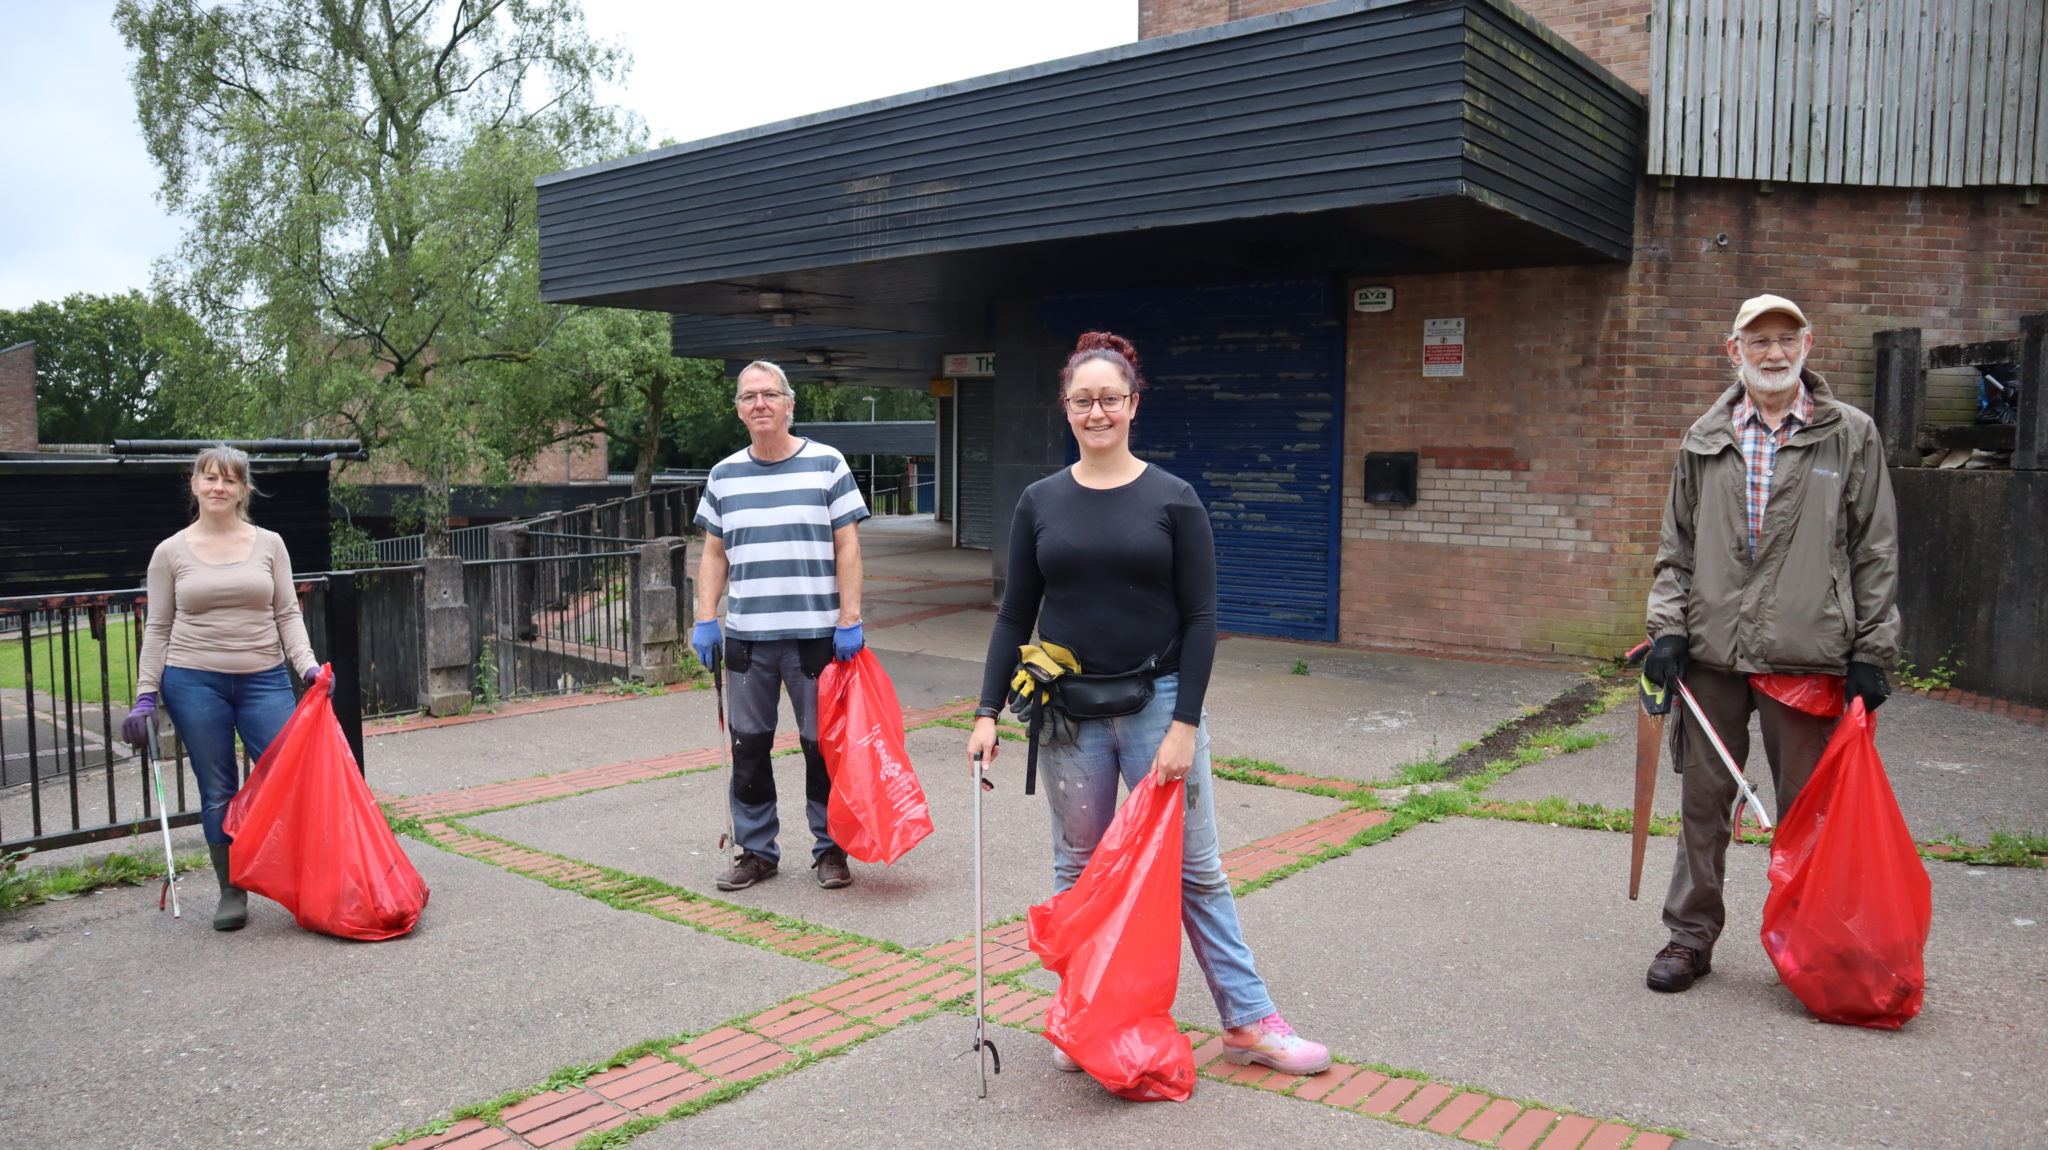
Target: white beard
1755, 380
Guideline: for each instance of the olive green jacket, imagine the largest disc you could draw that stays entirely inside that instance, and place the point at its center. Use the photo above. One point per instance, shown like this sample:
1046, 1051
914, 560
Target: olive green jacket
1822, 589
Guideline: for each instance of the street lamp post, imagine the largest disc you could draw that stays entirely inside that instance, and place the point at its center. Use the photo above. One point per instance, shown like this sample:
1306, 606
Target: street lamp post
870, 401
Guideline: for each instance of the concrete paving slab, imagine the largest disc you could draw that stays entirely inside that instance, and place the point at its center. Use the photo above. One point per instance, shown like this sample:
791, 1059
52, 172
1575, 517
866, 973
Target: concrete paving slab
956, 634
906, 1089
669, 830
437, 759
127, 1028
1360, 714
1954, 770
1507, 956
928, 680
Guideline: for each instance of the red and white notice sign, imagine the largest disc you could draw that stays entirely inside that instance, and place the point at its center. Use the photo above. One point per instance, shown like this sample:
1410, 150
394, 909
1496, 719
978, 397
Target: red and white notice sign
1443, 347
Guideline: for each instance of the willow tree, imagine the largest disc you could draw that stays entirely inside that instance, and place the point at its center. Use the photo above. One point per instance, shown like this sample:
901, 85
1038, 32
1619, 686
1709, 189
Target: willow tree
358, 181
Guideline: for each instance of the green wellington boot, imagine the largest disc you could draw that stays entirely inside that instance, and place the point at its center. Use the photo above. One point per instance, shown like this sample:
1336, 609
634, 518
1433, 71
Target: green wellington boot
233, 911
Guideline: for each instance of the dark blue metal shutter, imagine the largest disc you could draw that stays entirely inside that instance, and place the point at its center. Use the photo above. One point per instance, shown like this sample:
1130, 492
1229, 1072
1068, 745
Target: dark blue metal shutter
1244, 400
976, 473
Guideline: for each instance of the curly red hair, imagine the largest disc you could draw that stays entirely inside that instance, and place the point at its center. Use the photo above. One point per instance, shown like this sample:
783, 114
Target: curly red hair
1111, 349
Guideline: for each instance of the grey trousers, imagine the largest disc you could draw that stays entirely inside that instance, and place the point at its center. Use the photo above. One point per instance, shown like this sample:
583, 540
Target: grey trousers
756, 671
1793, 741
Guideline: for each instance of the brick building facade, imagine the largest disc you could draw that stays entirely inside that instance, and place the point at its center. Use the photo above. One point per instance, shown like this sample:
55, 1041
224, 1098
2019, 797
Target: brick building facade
1221, 188
18, 397
1544, 468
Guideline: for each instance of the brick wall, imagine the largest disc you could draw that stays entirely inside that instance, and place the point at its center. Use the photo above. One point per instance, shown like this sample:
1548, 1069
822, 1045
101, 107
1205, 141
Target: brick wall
1612, 32
580, 460
18, 398
1544, 468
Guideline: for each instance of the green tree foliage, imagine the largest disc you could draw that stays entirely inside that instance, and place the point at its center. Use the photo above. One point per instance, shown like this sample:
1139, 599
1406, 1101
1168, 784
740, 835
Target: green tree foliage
110, 367
359, 182
612, 368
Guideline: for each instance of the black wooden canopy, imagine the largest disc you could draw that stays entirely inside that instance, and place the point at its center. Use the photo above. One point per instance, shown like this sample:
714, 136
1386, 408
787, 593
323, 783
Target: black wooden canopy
1360, 137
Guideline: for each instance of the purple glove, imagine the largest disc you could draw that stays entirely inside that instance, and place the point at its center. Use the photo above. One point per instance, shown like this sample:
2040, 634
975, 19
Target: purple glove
135, 728
312, 673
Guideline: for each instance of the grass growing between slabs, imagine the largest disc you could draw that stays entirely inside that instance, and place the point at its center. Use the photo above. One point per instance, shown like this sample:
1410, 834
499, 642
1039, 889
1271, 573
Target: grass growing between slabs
21, 887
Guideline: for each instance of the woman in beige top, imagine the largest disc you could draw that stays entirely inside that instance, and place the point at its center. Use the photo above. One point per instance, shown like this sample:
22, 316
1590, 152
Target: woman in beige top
223, 625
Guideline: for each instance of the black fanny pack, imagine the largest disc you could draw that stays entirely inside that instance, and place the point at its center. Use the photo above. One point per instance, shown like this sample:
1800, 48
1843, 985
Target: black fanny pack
1106, 696
1078, 696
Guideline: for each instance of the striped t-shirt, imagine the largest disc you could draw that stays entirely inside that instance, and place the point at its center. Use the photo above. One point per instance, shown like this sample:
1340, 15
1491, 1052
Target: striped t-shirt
776, 521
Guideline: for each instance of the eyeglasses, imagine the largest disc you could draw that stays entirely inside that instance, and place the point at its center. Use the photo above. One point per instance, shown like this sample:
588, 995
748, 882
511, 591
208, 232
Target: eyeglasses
750, 398
1079, 404
1760, 344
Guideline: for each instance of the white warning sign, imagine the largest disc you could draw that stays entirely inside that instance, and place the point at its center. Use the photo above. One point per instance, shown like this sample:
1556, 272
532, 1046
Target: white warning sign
1443, 347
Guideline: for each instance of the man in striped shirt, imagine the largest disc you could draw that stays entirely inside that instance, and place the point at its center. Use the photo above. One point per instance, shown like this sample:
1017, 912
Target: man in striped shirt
782, 543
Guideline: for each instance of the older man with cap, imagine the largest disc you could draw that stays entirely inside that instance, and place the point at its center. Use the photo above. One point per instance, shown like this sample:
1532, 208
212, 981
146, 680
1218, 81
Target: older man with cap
1779, 556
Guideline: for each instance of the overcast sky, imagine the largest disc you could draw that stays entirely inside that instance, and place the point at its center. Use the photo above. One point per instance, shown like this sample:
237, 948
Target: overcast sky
78, 208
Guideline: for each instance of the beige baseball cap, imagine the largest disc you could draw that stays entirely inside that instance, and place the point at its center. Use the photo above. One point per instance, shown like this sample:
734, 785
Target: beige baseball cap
1765, 304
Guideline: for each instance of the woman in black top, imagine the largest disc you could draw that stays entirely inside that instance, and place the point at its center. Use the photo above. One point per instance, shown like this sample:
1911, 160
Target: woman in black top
1113, 559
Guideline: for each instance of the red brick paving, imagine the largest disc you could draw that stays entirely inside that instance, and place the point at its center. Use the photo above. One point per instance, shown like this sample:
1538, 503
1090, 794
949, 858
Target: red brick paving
1391, 1095
1348, 1095
1529, 1127
1314, 1087
1608, 1136
1424, 1103
1457, 1111
1568, 1133
1491, 1121
1649, 1141
2035, 716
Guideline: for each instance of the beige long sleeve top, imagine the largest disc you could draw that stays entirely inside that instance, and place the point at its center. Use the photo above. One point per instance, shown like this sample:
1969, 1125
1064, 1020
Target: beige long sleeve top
238, 618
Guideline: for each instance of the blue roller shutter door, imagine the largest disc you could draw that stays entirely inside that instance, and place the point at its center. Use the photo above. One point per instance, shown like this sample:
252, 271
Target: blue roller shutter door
1244, 401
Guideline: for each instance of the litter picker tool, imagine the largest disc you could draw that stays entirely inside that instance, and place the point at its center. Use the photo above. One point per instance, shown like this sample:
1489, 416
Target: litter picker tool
981, 1042
163, 819
1744, 793
1656, 700
731, 837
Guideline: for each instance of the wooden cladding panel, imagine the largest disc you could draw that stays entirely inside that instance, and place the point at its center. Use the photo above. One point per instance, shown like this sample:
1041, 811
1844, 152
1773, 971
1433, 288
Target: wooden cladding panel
1363, 104
1898, 93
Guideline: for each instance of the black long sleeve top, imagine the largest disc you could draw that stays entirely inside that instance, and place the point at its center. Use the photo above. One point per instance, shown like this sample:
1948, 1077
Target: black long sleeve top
1113, 575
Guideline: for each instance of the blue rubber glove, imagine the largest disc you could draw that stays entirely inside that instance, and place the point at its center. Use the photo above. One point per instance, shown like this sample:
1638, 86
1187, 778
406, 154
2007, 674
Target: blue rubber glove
311, 674
135, 728
846, 643
708, 641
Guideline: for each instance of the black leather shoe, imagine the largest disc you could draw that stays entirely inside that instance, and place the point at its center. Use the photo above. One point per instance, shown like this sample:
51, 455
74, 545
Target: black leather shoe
833, 872
747, 870
1678, 966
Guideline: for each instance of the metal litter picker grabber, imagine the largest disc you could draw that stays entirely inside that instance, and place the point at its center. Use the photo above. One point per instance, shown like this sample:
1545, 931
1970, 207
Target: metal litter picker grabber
1656, 706
1744, 793
163, 818
731, 838
981, 1042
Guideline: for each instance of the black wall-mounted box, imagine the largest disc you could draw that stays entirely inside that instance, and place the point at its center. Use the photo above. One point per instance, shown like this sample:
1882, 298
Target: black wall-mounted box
1390, 477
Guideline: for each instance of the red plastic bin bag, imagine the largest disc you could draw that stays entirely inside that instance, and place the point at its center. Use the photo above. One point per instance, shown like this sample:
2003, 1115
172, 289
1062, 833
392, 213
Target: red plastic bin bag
1850, 904
309, 835
1815, 694
877, 810
1114, 940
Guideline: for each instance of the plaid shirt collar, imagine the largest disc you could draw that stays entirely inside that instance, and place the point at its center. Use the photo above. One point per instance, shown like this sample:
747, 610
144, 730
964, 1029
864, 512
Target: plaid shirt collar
1802, 410
1759, 445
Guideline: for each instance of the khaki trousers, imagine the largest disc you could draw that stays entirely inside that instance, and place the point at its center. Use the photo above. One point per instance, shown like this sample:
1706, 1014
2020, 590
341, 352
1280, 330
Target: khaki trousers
1793, 741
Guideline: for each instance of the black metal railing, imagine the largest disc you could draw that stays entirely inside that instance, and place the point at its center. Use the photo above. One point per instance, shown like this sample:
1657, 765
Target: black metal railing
549, 624
68, 666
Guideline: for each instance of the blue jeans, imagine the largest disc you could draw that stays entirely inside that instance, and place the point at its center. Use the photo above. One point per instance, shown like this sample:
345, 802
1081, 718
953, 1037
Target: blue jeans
209, 708
1081, 784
